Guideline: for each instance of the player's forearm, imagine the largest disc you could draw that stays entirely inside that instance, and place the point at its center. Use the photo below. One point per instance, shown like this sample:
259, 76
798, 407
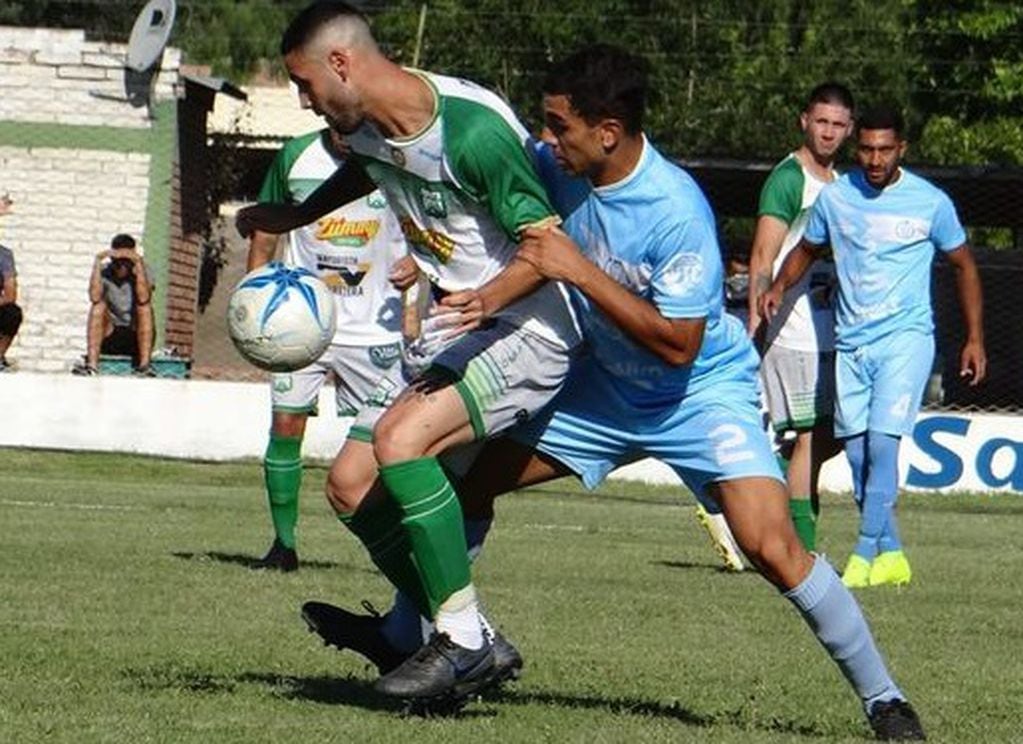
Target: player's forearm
639, 319
95, 283
516, 280
349, 182
795, 265
767, 242
971, 300
262, 248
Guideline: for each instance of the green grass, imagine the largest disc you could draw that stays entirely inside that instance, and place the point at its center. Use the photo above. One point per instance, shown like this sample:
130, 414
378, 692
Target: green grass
127, 614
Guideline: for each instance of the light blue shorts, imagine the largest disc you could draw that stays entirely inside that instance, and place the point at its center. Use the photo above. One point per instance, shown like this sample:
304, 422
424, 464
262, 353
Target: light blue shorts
879, 387
715, 435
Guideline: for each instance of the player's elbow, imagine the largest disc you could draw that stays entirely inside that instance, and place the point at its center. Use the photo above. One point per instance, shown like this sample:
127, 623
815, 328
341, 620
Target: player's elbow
678, 357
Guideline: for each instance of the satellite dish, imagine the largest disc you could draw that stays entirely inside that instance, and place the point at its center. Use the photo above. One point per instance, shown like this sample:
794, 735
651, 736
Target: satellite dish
149, 35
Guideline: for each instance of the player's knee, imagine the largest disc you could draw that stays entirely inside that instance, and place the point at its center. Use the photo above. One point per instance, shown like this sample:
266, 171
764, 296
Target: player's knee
778, 555
344, 492
393, 441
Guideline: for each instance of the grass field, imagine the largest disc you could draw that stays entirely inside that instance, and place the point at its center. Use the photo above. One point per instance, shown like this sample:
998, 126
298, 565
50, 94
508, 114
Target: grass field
128, 614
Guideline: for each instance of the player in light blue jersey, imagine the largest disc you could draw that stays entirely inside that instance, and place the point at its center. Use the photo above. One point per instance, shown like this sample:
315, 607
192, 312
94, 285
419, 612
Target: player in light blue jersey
668, 374
883, 225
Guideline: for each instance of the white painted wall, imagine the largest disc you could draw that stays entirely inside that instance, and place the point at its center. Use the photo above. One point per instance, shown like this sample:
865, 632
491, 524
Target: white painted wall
68, 203
224, 420
55, 76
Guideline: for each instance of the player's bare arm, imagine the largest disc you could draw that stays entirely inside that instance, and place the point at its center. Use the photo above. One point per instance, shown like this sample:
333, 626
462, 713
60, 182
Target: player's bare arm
467, 309
348, 183
9, 292
767, 242
555, 256
262, 249
972, 358
95, 278
792, 269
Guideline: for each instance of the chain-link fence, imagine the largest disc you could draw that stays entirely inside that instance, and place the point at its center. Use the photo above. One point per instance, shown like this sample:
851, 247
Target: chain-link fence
90, 149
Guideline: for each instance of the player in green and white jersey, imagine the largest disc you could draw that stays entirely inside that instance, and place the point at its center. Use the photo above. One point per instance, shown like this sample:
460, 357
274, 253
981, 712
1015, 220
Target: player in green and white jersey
451, 159
353, 250
798, 366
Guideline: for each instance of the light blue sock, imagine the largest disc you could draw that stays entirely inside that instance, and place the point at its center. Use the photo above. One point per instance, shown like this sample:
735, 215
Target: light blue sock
856, 453
835, 618
890, 539
403, 626
879, 493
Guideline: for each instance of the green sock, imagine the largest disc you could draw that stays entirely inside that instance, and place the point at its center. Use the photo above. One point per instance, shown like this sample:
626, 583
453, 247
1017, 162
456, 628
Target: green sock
378, 526
282, 470
433, 521
805, 522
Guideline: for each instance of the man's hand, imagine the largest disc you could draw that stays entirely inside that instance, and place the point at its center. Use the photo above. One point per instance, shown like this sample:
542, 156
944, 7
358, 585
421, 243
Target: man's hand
6, 205
104, 255
403, 273
973, 362
552, 253
770, 301
459, 312
124, 254
758, 286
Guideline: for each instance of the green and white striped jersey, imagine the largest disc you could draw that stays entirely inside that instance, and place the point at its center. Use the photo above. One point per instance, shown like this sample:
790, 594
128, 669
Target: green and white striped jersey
351, 249
463, 188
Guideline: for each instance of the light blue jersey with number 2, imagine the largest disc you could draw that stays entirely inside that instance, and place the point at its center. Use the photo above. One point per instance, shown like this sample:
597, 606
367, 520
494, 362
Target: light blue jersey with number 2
653, 232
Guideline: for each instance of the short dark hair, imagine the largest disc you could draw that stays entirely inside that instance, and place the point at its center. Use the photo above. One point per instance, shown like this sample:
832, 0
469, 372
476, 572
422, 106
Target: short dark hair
602, 81
881, 117
832, 93
310, 20
122, 241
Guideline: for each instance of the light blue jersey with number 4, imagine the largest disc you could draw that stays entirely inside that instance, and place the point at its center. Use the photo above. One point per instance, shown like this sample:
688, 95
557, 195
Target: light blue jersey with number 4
654, 233
883, 242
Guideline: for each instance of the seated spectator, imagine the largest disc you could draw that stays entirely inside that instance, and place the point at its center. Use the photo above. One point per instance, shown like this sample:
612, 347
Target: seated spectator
121, 316
10, 313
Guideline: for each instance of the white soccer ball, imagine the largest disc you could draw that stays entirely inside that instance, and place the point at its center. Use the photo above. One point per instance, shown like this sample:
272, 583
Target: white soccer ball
281, 318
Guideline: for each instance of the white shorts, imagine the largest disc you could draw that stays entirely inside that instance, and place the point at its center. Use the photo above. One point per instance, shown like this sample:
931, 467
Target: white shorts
503, 374
799, 387
356, 369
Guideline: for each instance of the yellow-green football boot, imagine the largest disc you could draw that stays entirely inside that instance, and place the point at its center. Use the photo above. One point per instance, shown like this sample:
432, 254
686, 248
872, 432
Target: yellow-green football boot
892, 568
857, 572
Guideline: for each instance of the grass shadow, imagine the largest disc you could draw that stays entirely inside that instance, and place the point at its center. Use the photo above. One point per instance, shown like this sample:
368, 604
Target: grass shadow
246, 561
671, 711
688, 565
323, 689
319, 689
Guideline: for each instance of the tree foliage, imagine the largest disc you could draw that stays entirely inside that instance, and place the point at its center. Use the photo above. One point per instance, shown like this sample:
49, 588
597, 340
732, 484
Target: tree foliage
729, 76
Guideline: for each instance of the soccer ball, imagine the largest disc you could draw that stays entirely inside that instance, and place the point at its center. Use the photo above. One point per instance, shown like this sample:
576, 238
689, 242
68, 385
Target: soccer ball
281, 318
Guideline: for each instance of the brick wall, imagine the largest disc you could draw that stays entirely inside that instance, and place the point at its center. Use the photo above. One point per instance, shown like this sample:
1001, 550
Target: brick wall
57, 77
74, 188
68, 204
